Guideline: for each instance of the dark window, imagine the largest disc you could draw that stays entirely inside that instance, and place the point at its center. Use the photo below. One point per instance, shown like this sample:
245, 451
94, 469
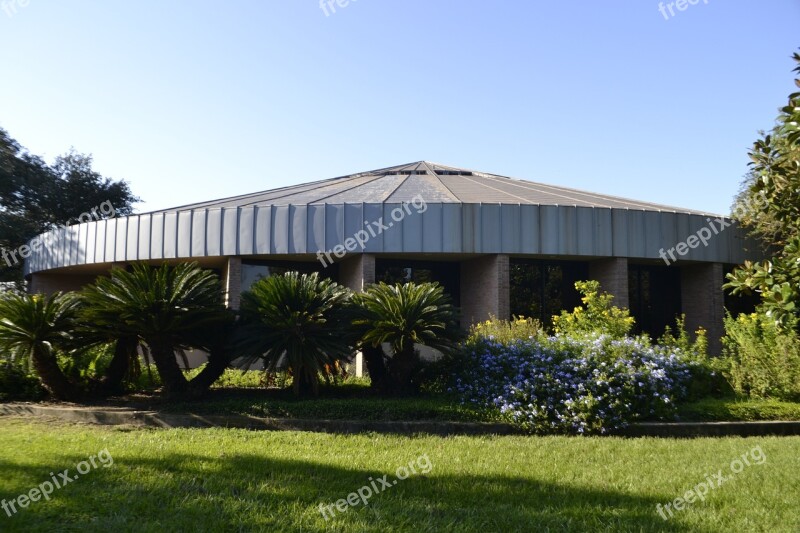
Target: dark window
391, 271
253, 271
541, 289
655, 297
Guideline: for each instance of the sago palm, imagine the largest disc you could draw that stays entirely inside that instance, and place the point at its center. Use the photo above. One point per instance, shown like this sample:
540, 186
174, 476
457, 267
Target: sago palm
404, 315
32, 328
168, 308
301, 317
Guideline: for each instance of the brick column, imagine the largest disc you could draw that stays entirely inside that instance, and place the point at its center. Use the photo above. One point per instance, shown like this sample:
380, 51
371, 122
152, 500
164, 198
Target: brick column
703, 301
484, 289
233, 282
613, 277
355, 273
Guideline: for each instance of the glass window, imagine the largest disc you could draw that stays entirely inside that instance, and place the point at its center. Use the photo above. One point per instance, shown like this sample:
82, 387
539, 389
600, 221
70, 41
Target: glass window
253, 271
654, 293
541, 289
447, 274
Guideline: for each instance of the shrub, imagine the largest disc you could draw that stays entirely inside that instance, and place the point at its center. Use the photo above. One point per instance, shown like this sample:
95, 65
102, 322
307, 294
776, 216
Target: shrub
597, 315
707, 373
300, 321
32, 330
762, 357
403, 316
680, 339
84, 365
169, 308
590, 384
234, 378
16, 384
506, 330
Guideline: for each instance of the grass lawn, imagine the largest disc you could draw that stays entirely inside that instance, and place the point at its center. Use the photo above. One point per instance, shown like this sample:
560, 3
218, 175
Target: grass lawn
236, 480
341, 406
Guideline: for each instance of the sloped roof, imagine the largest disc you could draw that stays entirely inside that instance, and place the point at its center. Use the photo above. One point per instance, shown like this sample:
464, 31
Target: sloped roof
462, 212
436, 184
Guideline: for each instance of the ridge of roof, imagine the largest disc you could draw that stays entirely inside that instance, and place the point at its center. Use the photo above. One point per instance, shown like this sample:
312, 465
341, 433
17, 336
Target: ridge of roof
450, 185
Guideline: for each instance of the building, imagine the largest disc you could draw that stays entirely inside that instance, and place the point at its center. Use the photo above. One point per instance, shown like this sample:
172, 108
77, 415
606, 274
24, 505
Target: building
500, 246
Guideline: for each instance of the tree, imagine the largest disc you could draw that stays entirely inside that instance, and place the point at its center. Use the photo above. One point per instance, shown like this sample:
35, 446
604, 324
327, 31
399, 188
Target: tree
36, 197
300, 317
791, 126
32, 328
403, 315
168, 308
772, 195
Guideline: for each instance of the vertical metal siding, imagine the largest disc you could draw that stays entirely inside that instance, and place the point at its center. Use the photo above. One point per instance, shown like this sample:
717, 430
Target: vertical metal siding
280, 230
145, 237
263, 229
157, 237
246, 233
392, 236
315, 236
213, 232
442, 228
170, 235
431, 222
184, 233
230, 231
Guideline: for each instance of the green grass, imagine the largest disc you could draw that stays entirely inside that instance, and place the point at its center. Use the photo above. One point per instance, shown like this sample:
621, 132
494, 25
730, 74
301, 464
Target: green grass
736, 409
236, 480
343, 402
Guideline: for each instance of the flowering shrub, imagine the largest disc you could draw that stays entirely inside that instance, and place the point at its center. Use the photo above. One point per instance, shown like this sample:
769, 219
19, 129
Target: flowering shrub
506, 330
588, 384
597, 315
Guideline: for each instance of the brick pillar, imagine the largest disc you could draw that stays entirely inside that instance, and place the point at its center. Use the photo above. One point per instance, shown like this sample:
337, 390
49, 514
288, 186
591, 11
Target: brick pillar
703, 301
613, 277
484, 289
355, 273
233, 282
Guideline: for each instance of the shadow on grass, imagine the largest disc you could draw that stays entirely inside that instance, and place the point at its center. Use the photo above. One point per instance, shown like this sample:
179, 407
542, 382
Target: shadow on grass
179, 492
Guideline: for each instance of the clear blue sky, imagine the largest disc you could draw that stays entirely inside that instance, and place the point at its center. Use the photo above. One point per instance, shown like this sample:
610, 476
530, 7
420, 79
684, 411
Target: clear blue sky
190, 101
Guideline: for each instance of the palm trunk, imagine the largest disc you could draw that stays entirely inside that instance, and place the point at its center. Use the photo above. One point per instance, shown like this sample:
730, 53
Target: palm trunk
376, 367
124, 351
167, 364
53, 378
217, 363
401, 370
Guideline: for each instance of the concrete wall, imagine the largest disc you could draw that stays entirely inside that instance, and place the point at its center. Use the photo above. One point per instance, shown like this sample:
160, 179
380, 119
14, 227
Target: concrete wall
613, 277
703, 301
485, 287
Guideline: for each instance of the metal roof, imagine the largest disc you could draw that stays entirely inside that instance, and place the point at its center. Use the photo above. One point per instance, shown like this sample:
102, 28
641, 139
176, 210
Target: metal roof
435, 183
465, 212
